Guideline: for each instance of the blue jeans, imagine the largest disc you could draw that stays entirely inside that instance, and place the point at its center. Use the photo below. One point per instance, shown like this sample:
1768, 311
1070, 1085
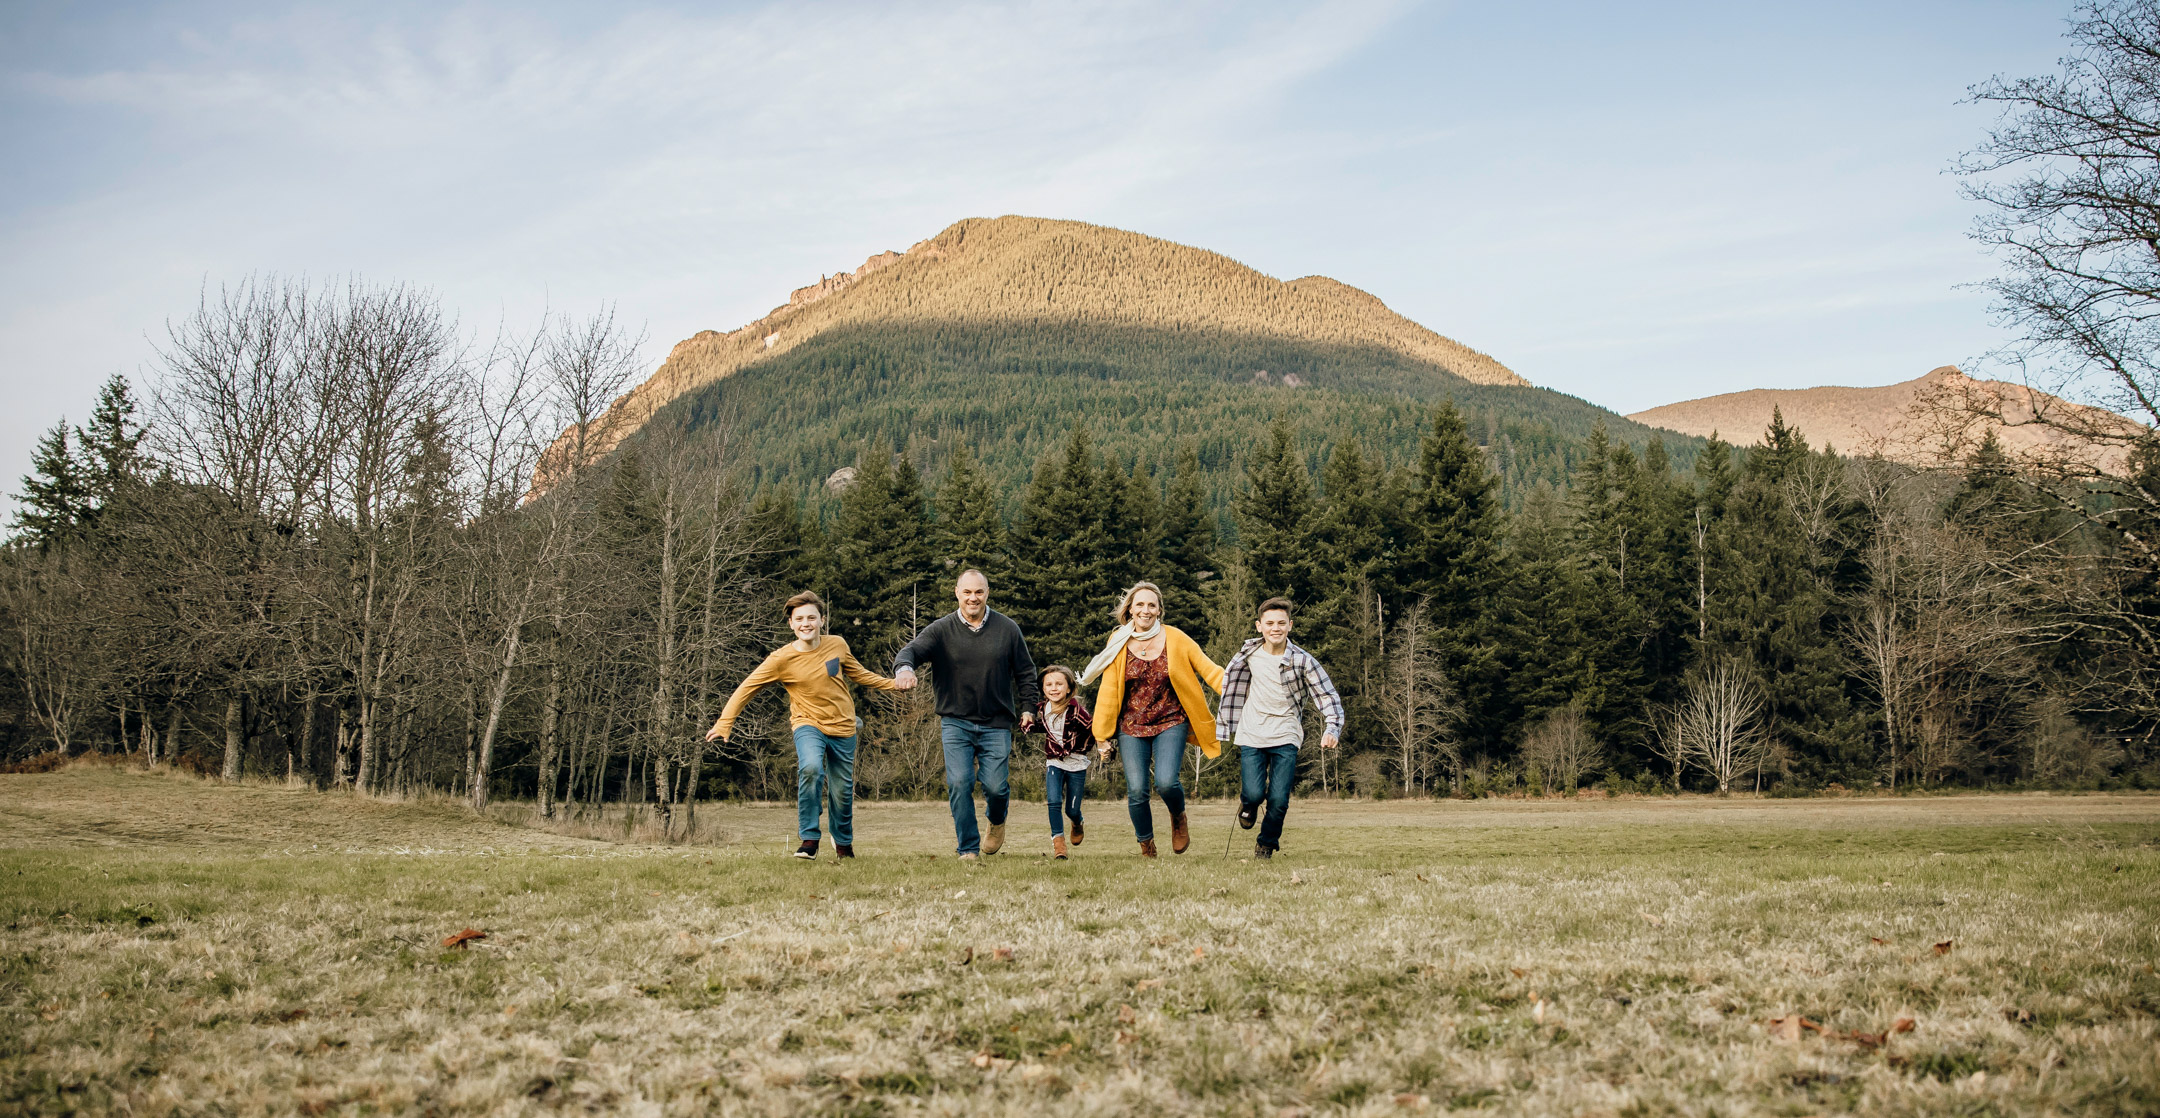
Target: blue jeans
1268, 773
974, 752
1162, 755
1065, 790
821, 758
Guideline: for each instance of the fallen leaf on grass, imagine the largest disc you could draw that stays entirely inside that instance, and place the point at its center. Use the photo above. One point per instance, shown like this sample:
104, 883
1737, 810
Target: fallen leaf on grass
1518, 972
1902, 1025
1199, 952
1125, 1014
993, 1063
1412, 1102
1653, 921
1003, 954
294, 1014
1147, 984
1788, 1027
1124, 1037
1295, 879
1943, 948
2017, 1016
960, 894
462, 938
1878, 941
965, 959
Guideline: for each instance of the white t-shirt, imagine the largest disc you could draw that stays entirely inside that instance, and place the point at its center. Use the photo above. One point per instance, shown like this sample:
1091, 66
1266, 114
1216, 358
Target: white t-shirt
1270, 717
1054, 721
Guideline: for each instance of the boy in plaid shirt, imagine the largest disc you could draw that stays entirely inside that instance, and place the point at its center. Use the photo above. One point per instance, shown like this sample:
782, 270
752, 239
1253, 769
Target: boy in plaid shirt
1265, 689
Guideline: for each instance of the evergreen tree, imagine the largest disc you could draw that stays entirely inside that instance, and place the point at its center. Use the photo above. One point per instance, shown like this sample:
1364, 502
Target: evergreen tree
1186, 548
1450, 551
970, 532
788, 546
1060, 595
112, 459
1771, 602
1274, 518
884, 584
55, 497
1540, 615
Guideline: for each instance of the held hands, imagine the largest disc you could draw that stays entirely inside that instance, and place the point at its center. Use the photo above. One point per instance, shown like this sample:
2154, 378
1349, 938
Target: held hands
905, 677
1027, 719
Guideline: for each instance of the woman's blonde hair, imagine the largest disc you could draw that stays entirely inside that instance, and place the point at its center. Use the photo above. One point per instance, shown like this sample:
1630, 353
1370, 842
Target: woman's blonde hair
1123, 612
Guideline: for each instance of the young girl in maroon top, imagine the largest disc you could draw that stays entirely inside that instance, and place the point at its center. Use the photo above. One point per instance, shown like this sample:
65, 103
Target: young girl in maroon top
1067, 733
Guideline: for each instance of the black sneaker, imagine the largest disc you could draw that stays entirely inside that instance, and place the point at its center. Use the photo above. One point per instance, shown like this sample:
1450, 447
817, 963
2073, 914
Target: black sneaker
843, 850
808, 849
1263, 852
1247, 815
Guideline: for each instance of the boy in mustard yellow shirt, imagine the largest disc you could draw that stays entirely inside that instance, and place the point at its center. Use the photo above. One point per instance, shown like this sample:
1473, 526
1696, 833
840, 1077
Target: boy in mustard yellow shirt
815, 668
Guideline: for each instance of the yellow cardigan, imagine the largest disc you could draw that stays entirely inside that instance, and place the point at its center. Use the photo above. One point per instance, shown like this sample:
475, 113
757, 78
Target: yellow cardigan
1189, 668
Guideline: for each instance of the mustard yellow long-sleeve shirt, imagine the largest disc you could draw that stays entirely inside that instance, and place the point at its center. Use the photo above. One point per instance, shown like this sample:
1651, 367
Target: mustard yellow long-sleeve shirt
816, 682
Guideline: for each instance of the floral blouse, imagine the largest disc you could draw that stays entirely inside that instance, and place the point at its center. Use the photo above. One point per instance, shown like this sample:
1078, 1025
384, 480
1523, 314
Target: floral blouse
1150, 705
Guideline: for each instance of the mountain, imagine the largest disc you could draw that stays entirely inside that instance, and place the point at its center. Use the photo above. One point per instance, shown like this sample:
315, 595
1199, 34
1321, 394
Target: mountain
1008, 332
1920, 421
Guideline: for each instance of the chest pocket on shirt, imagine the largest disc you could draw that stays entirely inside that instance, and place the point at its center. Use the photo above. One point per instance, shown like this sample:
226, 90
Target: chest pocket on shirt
832, 667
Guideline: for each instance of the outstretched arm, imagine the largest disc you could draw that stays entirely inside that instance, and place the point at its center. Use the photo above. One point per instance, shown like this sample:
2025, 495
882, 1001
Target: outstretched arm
765, 673
854, 670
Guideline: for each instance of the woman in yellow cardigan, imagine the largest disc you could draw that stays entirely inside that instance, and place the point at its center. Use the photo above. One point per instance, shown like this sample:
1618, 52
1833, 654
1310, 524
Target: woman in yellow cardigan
1151, 700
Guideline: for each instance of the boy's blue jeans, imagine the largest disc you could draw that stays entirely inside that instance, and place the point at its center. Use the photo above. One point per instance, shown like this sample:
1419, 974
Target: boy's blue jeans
1065, 790
974, 752
822, 760
1268, 772
1163, 757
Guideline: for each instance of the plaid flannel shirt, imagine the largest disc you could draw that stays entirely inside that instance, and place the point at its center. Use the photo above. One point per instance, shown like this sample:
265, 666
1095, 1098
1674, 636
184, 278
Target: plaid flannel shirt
1303, 679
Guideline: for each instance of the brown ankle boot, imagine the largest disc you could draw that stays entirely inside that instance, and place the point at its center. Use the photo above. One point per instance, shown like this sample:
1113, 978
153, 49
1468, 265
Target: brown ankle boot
1078, 832
1147, 848
1179, 838
1057, 846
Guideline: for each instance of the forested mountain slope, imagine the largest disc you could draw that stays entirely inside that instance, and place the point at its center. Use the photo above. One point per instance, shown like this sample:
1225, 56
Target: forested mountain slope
1007, 333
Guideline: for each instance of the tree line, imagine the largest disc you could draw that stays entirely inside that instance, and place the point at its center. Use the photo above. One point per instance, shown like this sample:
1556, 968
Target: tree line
317, 552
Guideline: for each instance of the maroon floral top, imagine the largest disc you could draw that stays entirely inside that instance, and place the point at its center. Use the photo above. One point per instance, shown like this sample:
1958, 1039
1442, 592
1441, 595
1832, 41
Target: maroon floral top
1150, 705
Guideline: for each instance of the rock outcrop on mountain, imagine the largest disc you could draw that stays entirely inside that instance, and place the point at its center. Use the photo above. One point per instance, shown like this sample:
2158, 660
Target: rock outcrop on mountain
1921, 421
1052, 275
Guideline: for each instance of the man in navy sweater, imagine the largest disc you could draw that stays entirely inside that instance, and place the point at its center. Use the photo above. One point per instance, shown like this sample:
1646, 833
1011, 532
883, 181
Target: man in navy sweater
986, 684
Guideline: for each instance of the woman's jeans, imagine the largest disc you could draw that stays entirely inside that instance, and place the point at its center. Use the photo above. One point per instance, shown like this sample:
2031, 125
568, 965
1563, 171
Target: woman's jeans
1267, 774
975, 752
1064, 789
821, 758
1163, 756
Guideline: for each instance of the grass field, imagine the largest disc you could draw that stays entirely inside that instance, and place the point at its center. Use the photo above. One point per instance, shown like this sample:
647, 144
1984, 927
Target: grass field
170, 946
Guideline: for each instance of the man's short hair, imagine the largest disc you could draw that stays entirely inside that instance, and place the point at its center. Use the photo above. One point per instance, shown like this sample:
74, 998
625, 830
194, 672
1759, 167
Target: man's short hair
806, 598
977, 572
1282, 604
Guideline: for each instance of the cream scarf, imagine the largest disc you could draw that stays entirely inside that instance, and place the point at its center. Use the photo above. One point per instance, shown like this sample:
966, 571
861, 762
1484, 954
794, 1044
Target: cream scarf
1117, 643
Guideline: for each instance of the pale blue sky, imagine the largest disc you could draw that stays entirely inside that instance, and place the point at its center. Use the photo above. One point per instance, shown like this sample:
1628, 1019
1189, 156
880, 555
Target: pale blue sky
1632, 203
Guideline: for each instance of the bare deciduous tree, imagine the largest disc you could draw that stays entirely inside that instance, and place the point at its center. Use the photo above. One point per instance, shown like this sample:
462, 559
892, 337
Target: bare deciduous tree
1720, 717
1560, 748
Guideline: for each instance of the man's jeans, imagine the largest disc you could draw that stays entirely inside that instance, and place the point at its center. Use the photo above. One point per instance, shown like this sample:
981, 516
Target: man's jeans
821, 758
975, 752
1065, 789
1162, 755
1268, 773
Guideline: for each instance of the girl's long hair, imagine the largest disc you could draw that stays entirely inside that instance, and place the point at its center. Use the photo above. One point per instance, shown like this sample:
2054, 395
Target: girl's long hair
1123, 612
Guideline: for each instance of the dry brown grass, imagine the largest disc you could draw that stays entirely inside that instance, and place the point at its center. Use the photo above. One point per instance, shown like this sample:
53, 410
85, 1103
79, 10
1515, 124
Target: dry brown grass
1536, 958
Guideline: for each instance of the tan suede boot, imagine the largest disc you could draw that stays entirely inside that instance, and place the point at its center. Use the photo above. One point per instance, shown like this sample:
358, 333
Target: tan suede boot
994, 841
1057, 846
1147, 849
1179, 837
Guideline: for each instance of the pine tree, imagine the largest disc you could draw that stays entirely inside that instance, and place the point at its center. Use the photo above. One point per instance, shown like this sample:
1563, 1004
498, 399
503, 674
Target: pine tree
1540, 614
884, 585
970, 532
1060, 596
1275, 518
1450, 552
1186, 548
113, 462
787, 545
55, 497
